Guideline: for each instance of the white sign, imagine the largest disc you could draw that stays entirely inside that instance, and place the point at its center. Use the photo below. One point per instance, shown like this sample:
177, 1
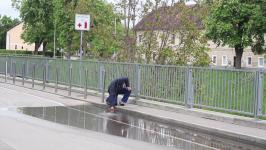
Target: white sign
82, 22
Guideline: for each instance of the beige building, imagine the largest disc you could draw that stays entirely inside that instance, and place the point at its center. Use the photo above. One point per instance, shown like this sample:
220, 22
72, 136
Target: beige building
15, 42
219, 56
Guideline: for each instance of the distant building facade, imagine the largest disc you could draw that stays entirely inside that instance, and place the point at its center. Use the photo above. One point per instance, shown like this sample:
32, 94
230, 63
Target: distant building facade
15, 42
221, 56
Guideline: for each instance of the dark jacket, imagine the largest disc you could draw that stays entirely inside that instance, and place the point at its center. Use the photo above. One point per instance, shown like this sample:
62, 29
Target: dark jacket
117, 85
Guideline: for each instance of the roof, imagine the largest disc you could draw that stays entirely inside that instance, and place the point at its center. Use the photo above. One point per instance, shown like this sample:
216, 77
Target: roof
15, 26
165, 18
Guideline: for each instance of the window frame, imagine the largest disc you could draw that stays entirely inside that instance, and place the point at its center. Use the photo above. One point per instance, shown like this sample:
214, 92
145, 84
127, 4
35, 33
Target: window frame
226, 58
215, 60
259, 65
248, 61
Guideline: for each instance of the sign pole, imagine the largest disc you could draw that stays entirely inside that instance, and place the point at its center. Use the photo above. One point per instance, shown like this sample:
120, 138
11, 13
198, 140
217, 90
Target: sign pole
80, 50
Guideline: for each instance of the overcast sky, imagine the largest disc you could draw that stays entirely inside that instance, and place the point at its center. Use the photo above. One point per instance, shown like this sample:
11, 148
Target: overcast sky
6, 9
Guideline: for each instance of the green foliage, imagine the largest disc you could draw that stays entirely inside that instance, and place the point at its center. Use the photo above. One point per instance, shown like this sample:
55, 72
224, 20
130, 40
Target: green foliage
103, 41
237, 23
38, 22
44, 18
6, 23
190, 45
23, 52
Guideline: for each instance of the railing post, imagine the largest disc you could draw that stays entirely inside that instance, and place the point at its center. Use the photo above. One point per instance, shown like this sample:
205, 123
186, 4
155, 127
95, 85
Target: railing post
44, 77
33, 75
11, 67
14, 73
86, 84
56, 79
46, 70
138, 78
189, 88
6, 72
100, 79
259, 93
23, 73
103, 83
70, 80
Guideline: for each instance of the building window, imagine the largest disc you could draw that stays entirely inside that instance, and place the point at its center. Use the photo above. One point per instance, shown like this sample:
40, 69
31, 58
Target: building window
214, 60
260, 62
224, 60
16, 46
249, 62
21, 47
173, 39
140, 38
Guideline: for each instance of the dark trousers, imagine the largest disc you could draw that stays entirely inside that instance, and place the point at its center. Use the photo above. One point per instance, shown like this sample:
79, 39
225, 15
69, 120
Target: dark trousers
112, 98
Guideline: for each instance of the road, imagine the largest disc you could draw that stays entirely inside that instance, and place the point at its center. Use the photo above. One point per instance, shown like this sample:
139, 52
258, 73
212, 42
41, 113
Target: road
22, 132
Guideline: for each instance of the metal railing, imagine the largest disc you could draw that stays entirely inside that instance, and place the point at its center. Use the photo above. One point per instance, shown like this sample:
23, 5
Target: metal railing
226, 90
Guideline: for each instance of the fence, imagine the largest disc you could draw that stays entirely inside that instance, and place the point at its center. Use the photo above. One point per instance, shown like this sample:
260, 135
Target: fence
226, 90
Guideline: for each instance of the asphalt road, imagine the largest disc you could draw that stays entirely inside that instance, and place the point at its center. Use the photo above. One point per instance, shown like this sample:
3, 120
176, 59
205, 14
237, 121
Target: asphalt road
22, 132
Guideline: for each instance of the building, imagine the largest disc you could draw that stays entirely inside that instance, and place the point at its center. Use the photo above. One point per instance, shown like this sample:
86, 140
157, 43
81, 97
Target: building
15, 42
169, 21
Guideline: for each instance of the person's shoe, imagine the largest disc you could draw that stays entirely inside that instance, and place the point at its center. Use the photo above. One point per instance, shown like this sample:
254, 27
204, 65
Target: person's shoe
111, 109
121, 103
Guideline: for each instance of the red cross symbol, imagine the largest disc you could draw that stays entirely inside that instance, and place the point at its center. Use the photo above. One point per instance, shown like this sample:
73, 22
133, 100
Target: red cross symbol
79, 25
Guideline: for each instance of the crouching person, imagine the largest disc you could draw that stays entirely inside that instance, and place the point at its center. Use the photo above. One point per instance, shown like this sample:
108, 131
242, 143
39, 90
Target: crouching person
118, 86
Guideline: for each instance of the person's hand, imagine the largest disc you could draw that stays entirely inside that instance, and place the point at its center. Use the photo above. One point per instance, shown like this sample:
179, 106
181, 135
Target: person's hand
129, 88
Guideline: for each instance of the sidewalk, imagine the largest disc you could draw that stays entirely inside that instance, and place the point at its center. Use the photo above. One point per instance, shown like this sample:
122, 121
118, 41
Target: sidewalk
246, 130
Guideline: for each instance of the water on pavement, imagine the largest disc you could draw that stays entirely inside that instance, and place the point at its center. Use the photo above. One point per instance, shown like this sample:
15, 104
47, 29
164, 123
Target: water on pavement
134, 127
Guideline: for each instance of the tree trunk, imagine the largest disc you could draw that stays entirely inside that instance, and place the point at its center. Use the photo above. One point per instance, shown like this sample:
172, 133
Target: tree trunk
37, 45
44, 44
239, 53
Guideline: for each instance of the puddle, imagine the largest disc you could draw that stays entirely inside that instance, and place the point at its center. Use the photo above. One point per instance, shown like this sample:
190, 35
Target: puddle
96, 119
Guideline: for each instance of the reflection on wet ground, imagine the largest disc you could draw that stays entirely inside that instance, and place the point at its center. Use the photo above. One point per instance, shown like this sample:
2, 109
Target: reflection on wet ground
94, 118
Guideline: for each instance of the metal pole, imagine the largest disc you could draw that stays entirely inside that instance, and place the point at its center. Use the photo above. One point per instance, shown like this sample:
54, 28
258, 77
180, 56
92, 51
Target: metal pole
56, 80
259, 93
80, 51
6, 72
138, 78
44, 77
189, 88
14, 73
103, 87
33, 75
101, 78
86, 84
70, 79
46, 70
54, 39
23, 74
11, 67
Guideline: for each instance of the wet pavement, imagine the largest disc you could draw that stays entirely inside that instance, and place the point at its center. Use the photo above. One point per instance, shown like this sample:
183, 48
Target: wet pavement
97, 119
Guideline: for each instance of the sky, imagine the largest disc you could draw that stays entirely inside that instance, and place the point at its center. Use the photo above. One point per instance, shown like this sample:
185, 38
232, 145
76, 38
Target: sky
7, 9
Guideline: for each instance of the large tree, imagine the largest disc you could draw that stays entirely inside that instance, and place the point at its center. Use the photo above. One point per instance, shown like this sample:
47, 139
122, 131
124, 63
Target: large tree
238, 24
6, 23
37, 16
172, 34
43, 18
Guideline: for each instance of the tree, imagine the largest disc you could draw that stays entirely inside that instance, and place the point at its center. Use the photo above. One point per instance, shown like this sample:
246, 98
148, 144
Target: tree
173, 34
38, 23
6, 23
42, 18
238, 24
102, 39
